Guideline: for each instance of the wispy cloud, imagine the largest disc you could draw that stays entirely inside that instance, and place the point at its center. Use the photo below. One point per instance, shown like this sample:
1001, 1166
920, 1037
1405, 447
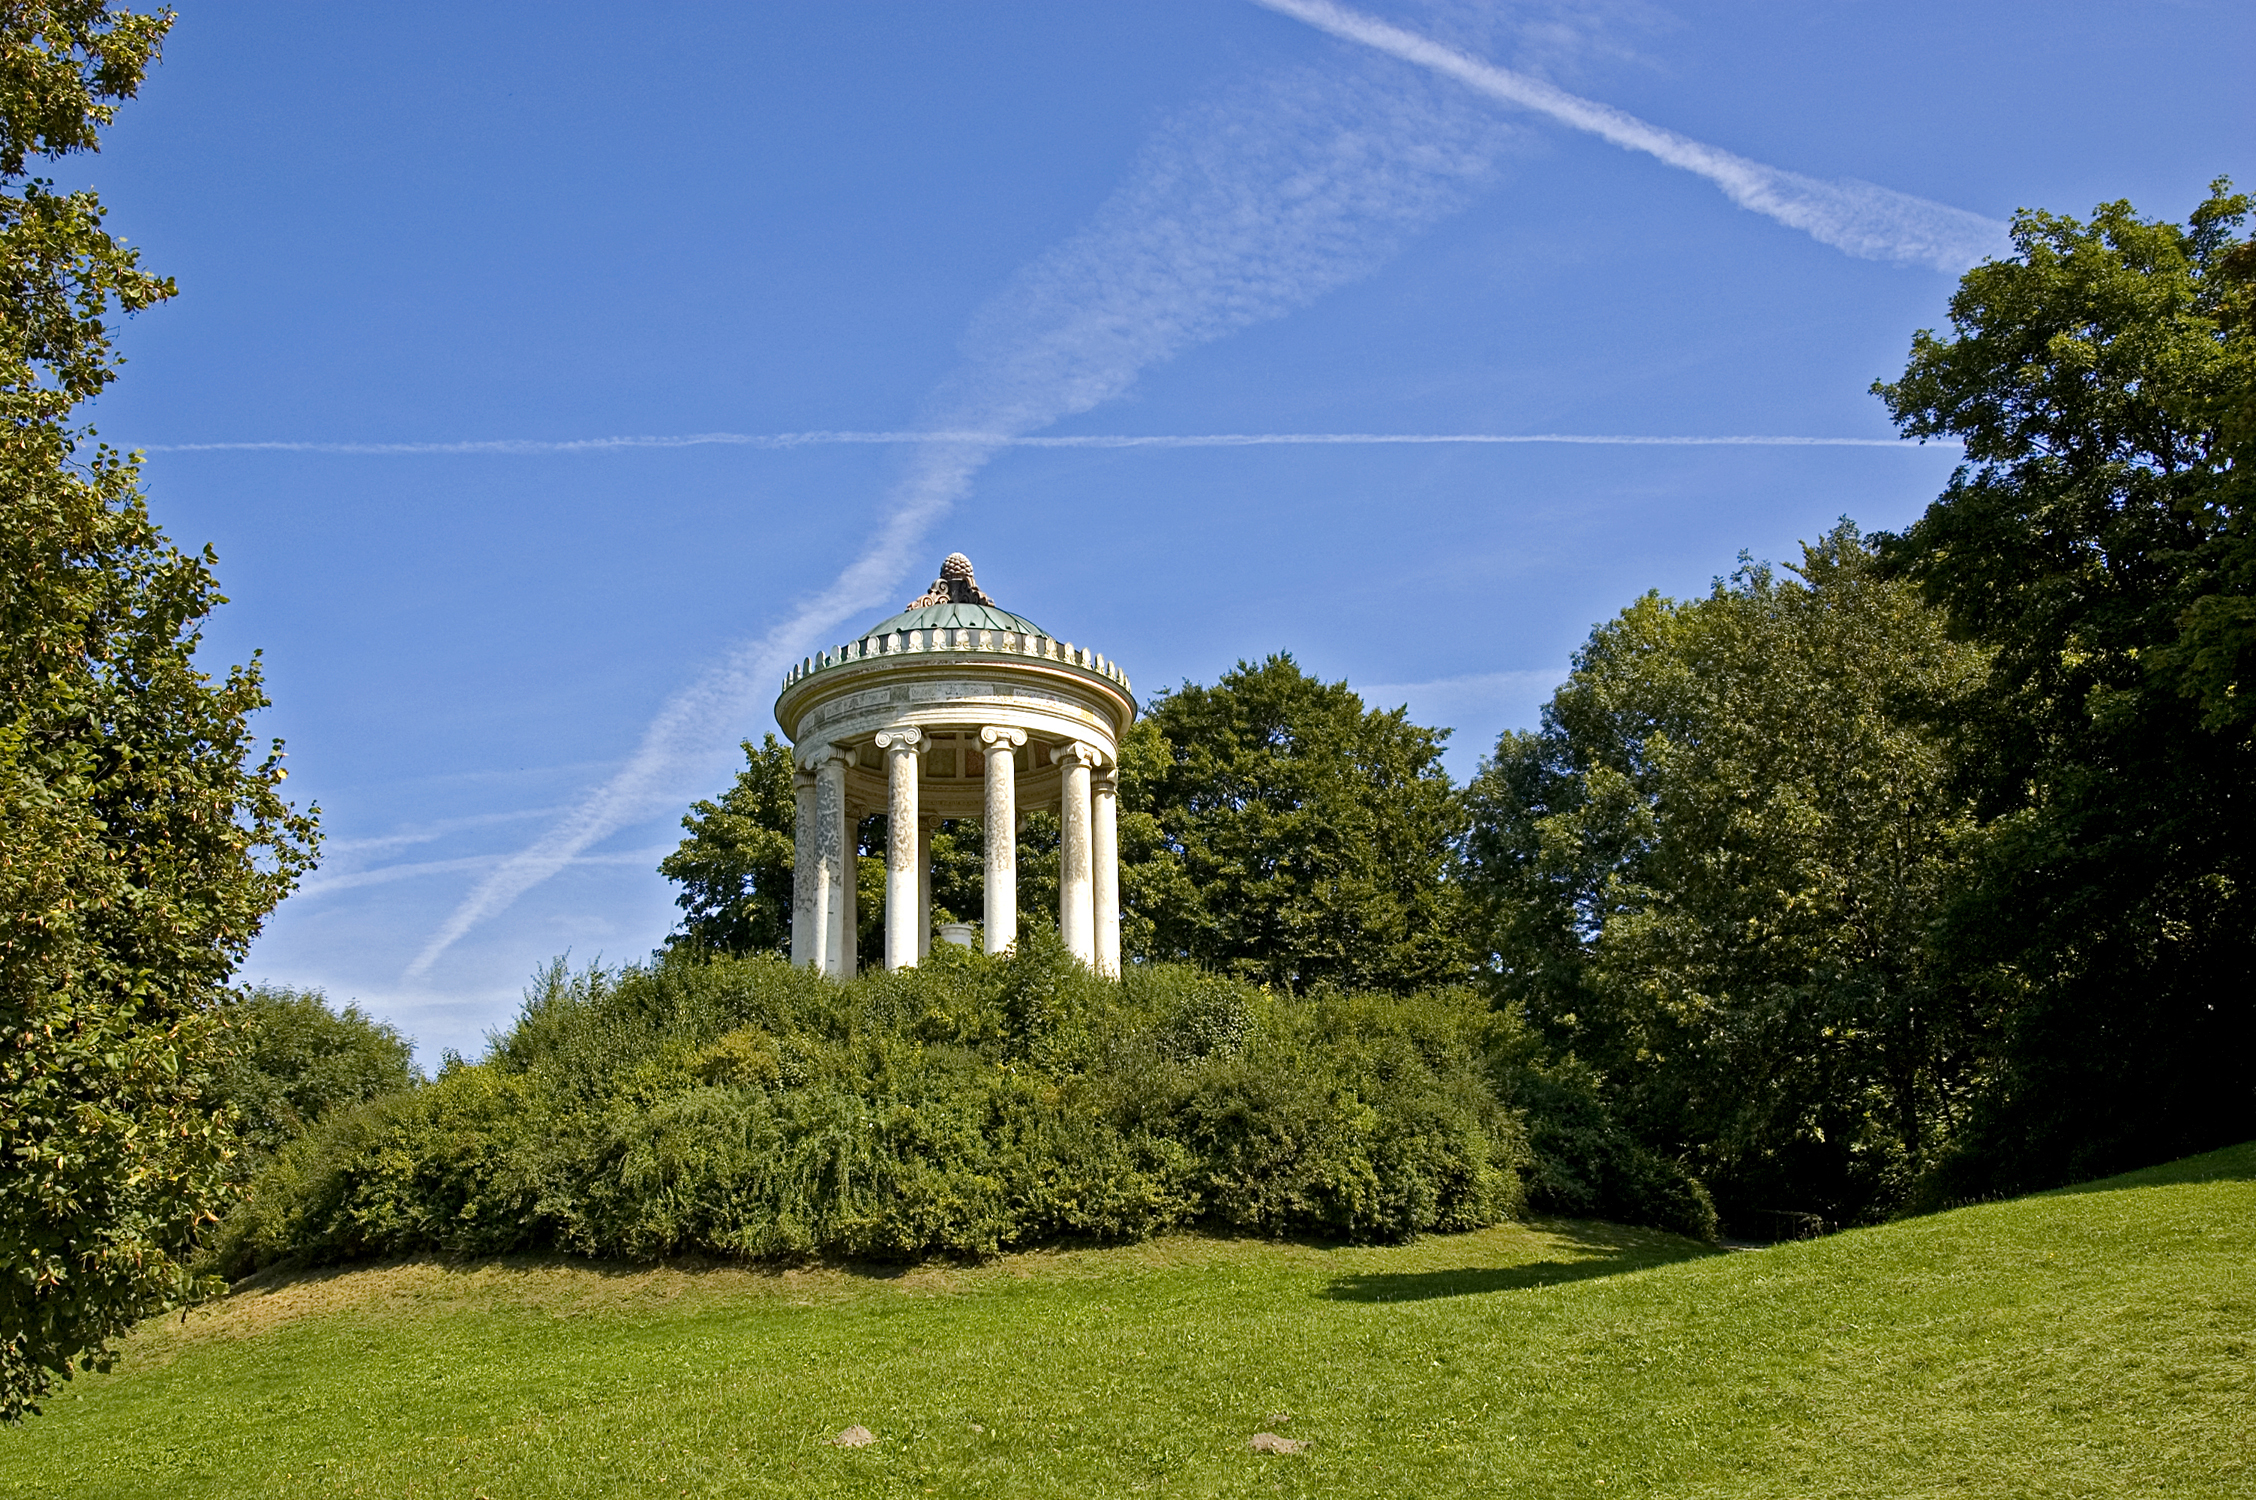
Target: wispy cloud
1468, 698
1861, 218
996, 440
1235, 212
1467, 685
324, 884
1475, 706
425, 833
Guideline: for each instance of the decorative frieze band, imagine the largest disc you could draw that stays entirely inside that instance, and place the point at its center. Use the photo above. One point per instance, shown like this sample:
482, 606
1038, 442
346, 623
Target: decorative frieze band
995, 642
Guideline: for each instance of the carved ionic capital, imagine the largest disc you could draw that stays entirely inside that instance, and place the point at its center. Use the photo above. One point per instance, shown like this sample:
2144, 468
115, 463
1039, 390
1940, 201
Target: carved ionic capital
1079, 751
815, 757
903, 740
1105, 780
997, 734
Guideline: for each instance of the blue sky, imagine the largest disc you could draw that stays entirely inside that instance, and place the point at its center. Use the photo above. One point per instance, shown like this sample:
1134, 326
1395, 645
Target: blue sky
503, 673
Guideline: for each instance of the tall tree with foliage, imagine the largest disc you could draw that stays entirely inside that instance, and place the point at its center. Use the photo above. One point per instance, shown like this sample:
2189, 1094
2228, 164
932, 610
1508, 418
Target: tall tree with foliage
735, 867
2098, 540
1710, 873
142, 836
1273, 827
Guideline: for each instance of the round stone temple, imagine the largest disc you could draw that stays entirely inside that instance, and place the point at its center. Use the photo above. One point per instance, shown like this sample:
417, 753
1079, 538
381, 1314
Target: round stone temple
955, 708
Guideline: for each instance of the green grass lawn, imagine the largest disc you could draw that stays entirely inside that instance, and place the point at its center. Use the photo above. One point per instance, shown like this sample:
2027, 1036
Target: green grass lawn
2095, 1341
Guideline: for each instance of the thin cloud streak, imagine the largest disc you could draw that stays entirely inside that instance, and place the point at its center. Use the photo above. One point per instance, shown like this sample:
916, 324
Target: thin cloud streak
1464, 682
322, 885
1861, 218
996, 441
427, 833
1233, 213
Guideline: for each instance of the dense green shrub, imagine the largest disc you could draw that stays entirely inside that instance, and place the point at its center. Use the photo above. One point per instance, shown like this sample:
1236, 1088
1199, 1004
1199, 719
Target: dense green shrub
293, 1059
1583, 1164
736, 1106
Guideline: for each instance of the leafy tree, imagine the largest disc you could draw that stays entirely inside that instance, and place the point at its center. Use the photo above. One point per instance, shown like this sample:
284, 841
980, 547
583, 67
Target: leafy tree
1710, 873
142, 838
2098, 539
1273, 827
2214, 658
294, 1059
735, 867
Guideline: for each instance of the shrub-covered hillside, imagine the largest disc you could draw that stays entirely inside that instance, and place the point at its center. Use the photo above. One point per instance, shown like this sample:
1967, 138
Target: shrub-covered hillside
735, 1106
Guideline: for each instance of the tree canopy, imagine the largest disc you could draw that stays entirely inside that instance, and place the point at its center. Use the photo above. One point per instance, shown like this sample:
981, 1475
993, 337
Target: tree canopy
1273, 827
1710, 872
143, 837
734, 868
2097, 541
293, 1059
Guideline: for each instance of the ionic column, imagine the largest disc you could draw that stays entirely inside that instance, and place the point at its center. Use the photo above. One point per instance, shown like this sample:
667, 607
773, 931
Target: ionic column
926, 827
1104, 867
834, 860
850, 948
1002, 834
1077, 918
900, 748
806, 876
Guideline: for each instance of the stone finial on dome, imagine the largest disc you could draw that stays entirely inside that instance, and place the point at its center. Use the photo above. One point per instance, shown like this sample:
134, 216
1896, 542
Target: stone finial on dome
955, 585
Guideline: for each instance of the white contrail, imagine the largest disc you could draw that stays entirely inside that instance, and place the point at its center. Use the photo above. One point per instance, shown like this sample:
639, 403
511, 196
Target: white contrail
424, 833
323, 884
1233, 213
995, 440
1861, 218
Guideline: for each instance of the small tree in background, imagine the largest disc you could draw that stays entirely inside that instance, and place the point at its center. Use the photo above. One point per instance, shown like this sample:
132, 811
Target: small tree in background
294, 1059
735, 868
142, 837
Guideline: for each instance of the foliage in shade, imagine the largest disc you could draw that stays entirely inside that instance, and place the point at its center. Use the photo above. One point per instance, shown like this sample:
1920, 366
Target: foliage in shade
142, 835
2098, 541
740, 1107
1584, 1163
1709, 876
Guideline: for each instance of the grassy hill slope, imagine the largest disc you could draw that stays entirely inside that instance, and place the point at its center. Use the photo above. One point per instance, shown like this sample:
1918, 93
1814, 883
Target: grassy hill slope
2096, 1341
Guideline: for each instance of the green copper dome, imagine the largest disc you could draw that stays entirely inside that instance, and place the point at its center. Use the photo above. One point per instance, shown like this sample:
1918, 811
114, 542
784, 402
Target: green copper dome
955, 602
959, 617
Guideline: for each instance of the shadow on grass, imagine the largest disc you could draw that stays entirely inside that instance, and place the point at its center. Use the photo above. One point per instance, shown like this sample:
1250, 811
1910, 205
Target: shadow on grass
2229, 1164
1608, 1250
287, 1274
2232, 1164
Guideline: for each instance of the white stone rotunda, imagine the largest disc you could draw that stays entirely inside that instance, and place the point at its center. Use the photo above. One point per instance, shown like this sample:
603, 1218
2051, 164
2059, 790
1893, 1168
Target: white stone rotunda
954, 708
